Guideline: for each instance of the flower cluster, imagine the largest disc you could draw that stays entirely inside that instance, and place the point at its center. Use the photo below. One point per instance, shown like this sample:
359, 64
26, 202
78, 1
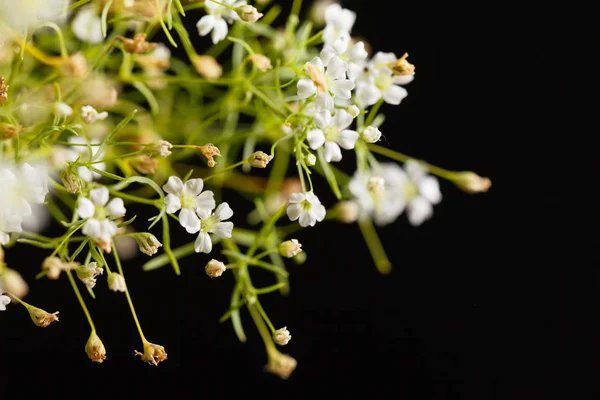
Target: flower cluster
99, 120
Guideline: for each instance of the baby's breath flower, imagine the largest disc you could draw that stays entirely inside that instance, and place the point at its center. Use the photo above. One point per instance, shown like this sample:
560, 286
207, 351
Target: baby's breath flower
259, 159
147, 242
164, 148
95, 348
290, 248
217, 18
353, 110
97, 211
116, 282
311, 159
261, 62
87, 25
53, 266
339, 22
215, 225
89, 115
153, 353
214, 268
88, 273
371, 134
207, 66
306, 208
62, 110
472, 183
248, 13
189, 198
282, 336
40, 317
324, 83
332, 134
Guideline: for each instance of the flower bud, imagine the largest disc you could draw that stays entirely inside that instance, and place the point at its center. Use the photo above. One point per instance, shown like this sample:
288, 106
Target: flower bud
347, 211
116, 282
311, 159
3, 91
40, 317
471, 183
353, 110
290, 248
12, 281
62, 110
138, 44
215, 268
70, 180
53, 266
95, 348
144, 164
163, 147
371, 134
282, 336
89, 115
88, 273
248, 13
261, 62
147, 242
258, 159
281, 365
153, 353
207, 67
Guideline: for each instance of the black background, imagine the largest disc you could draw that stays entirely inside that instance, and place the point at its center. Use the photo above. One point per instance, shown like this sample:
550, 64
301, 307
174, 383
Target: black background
443, 325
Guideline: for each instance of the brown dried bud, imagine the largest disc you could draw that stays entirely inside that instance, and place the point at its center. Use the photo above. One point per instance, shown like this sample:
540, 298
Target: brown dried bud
95, 348
261, 62
138, 44
472, 183
207, 67
153, 353
144, 164
209, 151
402, 67
258, 159
3, 91
215, 268
9, 131
40, 317
53, 266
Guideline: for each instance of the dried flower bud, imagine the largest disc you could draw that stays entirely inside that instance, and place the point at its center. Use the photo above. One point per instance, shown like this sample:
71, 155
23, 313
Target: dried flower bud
147, 242
290, 248
153, 353
353, 110
259, 159
209, 151
89, 115
402, 67
62, 110
70, 180
207, 67
248, 13
163, 147
282, 336
215, 268
371, 134
3, 91
347, 211
471, 183
88, 273
75, 66
138, 44
53, 266
9, 131
116, 282
40, 317
144, 164
311, 159
261, 62
12, 281
281, 365
95, 348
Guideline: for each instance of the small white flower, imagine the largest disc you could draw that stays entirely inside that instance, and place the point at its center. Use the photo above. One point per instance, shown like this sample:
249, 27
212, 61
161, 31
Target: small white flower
249, 13
324, 84
282, 336
164, 147
4, 301
27, 14
97, 210
62, 110
341, 58
215, 268
217, 18
190, 199
116, 282
339, 22
332, 133
88, 273
87, 26
380, 82
290, 248
306, 208
371, 134
84, 153
421, 192
89, 115
214, 225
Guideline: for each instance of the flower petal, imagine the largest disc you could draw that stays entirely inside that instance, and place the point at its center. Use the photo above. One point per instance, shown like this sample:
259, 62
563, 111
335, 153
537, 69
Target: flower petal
86, 208
115, 208
415, 170
296, 197
323, 118
318, 63
347, 139
206, 23
99, 196
219, 31
394, 94
403, 79
430, 189
306, 88
293, 211
342, 88
342, 119
108, 229
174, 186
307, 219
193, 187
203, 244
223, 229
358, 52
312, 198
223, 212
332, 152
92, 228
337, 68
418, 211
318, 211
315, 138
173, 203
205, 203
189, 220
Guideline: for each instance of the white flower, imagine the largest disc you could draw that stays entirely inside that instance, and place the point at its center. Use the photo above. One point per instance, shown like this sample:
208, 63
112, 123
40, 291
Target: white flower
371, 134
214, 225
339, 22
26, 14
324, 83
62, 110
88, 273
190, 199
379, 81
332, 133
87, 26
340, 58
290, 248
97, 210
84, 153
217, 18
116, 282
306, 208
4, 300
89, 115
421, 193
164, 147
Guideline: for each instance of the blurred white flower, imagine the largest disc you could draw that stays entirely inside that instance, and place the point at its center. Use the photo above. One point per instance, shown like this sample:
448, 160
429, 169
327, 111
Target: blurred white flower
89, 114
23, 15
87, 25
217, 18
338, 23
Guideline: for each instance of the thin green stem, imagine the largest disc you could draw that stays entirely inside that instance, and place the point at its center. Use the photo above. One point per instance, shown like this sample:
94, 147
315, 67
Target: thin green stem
237, 164
394, 155
375, 247
264, 316
80, 298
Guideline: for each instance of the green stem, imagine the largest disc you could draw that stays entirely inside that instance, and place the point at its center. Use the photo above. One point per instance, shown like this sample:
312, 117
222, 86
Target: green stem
264, 316
373, 112
167, 244
131, 197
262, 328
374, 244
394, 155
81, 302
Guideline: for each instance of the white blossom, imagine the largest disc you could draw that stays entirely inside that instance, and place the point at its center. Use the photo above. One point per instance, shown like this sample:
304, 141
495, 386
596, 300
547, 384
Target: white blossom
306, 208
338, 23
282, 336
332, 134
88, 273
97, 211
87, 26
164, 148
189, 198
324, 84
217, 18
379, 82
89, 114
27, 14
215, 225
62, 110
422, 192
116, 282
371, 134
341, 58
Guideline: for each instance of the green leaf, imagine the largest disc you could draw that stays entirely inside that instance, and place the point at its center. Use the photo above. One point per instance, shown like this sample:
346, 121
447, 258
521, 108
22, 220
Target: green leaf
104, 16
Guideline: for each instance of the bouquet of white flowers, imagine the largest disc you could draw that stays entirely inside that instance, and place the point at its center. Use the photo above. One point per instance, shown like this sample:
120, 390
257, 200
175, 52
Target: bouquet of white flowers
99, 118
